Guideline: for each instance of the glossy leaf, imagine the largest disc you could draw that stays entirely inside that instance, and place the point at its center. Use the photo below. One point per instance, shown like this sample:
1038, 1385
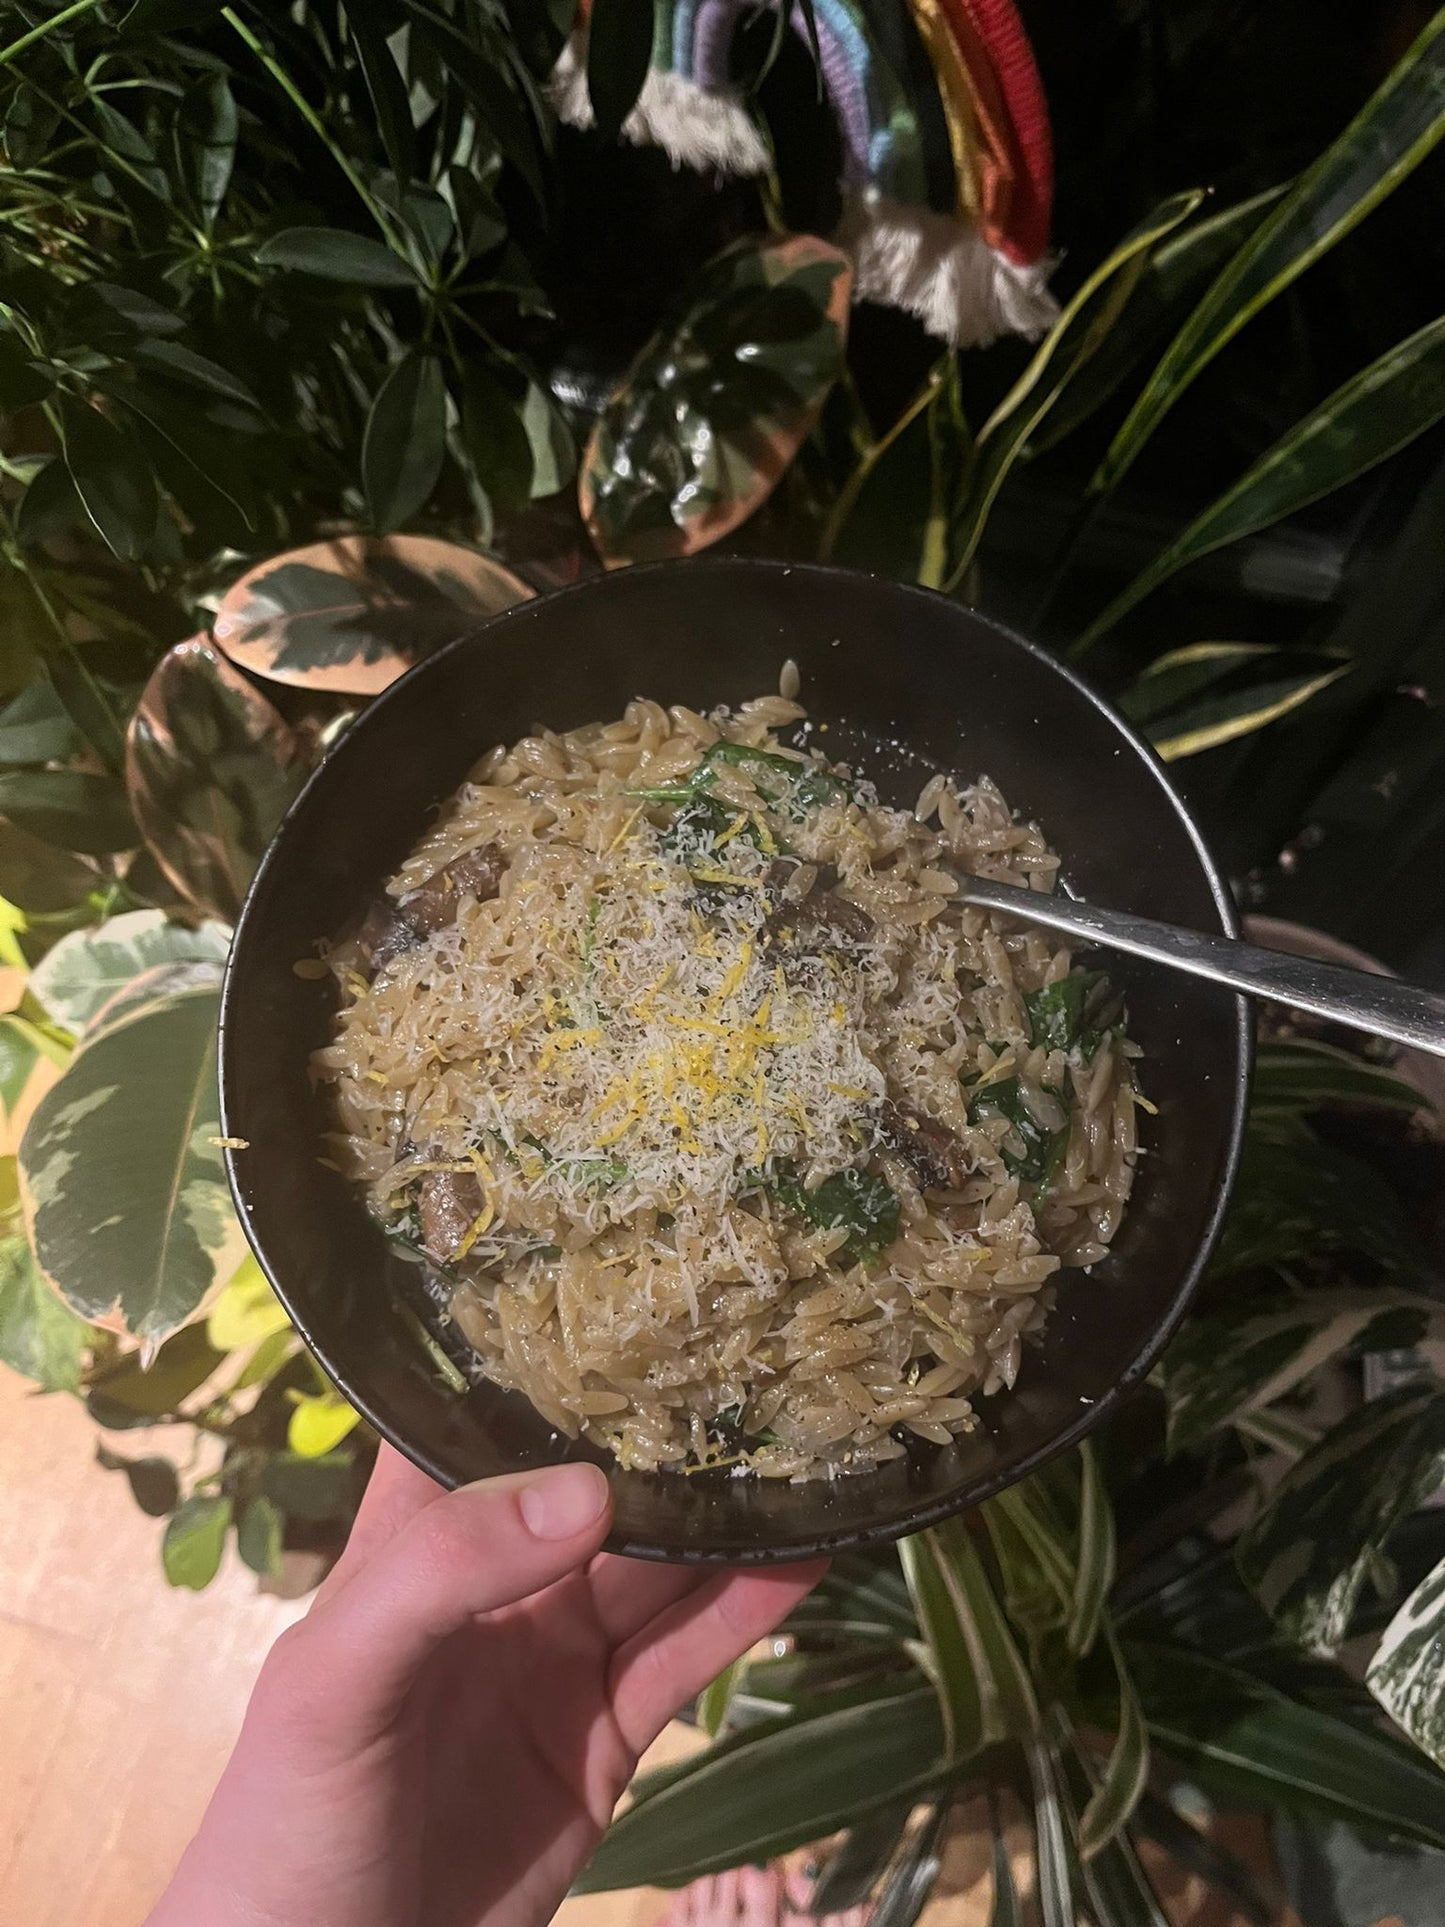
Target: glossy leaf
211, 768
1393, 132
769, 1790
153, 1482
35, 728
1407, 1673
71, 808
1240, 1359
125, 1192
619, 48
195, 1539
183, 364
715, 407
1069, 345
1297, 1074
40, 879
19, 1054
1374, 415
259, 1536
85, 969
247, 1311
319, 1423
385, 84
337, 254
1253, 1746
1007, 1703
949, 1666
210, 125
312, 1489
1209, 693
405, 441
112, 478
354, 614
1308, 1554
40, 1337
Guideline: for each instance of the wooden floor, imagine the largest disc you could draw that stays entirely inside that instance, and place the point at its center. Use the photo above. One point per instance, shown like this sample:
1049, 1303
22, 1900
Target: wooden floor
119, 1699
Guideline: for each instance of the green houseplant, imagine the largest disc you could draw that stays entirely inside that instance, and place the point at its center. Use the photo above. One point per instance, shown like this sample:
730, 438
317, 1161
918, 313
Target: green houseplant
277, 372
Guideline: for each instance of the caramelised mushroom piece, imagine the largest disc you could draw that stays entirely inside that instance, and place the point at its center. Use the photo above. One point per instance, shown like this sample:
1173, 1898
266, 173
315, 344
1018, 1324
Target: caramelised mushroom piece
392, 927
448, 1205
935, 1155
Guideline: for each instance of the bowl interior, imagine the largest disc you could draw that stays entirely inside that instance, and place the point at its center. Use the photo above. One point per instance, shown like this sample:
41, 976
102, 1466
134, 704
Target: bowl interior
906, 682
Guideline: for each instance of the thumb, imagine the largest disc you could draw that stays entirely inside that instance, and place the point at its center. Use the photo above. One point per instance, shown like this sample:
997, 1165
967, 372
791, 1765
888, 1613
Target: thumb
476, 1549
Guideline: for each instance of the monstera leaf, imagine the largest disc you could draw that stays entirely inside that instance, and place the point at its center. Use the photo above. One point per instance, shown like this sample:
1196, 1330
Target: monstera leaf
714, 408
121, 1176
211, 768
354, 614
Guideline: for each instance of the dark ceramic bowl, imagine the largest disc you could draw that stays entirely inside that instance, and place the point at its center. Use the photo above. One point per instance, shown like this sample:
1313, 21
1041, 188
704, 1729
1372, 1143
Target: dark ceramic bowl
907, 682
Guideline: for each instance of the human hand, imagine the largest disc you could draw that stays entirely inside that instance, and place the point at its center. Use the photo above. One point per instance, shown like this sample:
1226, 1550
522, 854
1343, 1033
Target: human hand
442, 1739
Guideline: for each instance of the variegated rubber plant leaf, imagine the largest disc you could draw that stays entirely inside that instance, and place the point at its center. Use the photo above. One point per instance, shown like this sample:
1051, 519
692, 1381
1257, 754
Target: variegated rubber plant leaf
1309, 1553
354, 614
86, 969
121, 1176
211, 767
715, 407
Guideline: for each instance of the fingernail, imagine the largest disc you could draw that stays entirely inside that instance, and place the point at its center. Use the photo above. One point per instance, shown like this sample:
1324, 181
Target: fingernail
563, 1501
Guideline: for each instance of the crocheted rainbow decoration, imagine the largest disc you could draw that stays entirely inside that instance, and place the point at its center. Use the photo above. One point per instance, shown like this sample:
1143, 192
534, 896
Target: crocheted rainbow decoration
948, 167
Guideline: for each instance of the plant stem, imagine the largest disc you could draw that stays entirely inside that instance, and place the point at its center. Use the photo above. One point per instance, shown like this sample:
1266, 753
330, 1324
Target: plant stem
61, 19
313, 120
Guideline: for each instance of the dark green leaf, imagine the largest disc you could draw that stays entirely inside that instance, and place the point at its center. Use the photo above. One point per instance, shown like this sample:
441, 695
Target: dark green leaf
1094, 1577
209, 122
1297, 1199
715, 407
1310, 1551
126, 1192
34, 728
385, 84
170, 16
481, 225
1211, 693
354, 614
1117, 1791
173, 358
1375, 414
153, 1482
1259, 1347
313, 1489
950, 1665
858, 1863
22, 380
195, 1539
73, 809
619, 48
1031, 1153
258, 1536
554, 453
112, 478
769, 1790
182, 1365
123, 139
405, 442
211, 768
1079, 1009
496, 438
853, 1200
337, 255
1393, 132
50, 506
40, 1337
1255, 1747
1296, 1074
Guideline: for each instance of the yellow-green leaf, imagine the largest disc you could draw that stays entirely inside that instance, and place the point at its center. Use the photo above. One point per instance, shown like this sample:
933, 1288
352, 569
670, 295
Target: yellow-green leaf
319, 1423
246, 1311
194, 1541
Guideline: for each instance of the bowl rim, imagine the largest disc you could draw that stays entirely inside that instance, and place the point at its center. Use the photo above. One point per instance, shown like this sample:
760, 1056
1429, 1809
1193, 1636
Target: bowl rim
927, 1512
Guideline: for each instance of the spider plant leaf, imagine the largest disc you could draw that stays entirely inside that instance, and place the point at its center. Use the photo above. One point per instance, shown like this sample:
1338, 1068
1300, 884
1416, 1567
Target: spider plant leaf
715, 407
211, 768
40, 1336
1005, 1911
1094, 1575
125, 1195
1250, 1744
86, 969
1371, 417
354, 614
771, 1788
716, 1697
1070, 344
949, 1666
619, 50
859, 1862
1112, 1801
1208, 693
1008, 1707
1294, 1075
1239, 1360
893, 516
195, 1540
1307, 1555
336, 254
1407, 1673
1393, 132
1052, 1856
404, 444
914, 1874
